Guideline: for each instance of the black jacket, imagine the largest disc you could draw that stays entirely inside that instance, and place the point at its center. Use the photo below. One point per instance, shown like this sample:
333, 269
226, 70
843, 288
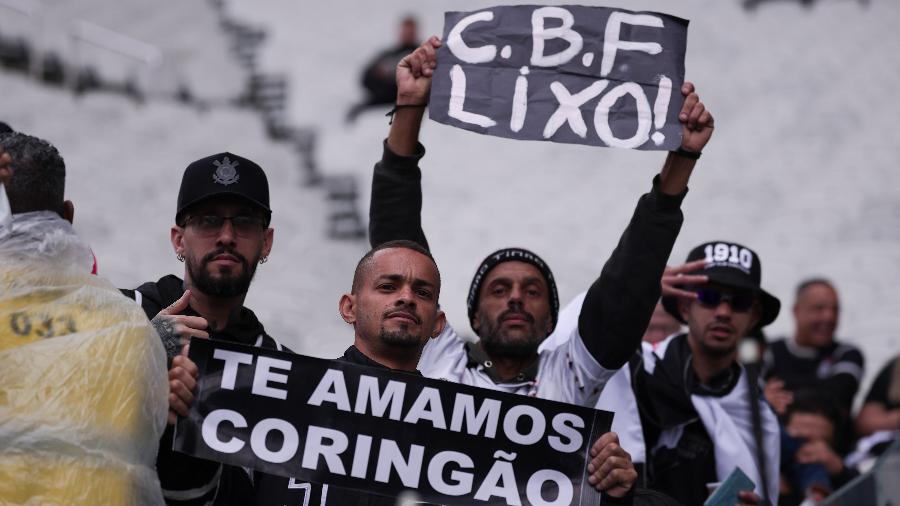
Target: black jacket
186, 480
619, 303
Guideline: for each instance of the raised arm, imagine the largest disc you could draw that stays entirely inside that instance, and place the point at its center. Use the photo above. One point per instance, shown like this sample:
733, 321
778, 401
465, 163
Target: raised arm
618, 306
395, 209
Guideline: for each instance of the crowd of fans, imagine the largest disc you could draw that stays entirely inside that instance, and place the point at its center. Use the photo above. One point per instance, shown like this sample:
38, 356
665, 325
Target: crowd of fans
660, 346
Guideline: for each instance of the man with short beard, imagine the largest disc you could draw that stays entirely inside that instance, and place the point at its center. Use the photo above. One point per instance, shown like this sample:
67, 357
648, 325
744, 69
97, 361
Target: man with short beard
393, 307
512, 302
221, 234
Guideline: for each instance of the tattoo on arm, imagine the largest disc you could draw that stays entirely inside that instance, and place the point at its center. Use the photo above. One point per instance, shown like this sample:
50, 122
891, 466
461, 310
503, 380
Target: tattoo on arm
170, 339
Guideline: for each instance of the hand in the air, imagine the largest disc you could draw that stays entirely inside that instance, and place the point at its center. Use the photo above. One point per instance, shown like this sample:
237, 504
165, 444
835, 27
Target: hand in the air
697, 122
414, 73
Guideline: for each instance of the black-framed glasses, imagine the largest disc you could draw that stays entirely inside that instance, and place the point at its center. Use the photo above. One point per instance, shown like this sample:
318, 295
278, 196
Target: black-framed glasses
740, 301
242, 224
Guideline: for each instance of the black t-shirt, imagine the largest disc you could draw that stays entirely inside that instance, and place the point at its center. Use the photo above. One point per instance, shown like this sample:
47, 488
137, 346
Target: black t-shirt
831, 373
880, 391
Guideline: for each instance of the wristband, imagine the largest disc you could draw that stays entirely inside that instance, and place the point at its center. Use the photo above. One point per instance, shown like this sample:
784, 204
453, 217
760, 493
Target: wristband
402, 106
693, 155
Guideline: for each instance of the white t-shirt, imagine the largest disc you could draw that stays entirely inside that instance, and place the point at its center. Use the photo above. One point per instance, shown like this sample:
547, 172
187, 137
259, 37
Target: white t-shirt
566, 373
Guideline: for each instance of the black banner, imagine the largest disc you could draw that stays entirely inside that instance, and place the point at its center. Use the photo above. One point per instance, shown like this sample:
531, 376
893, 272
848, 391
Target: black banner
385, 432
575, 74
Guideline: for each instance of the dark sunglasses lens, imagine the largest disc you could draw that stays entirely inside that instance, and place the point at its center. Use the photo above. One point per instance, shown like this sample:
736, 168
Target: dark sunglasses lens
709, 297
739, 301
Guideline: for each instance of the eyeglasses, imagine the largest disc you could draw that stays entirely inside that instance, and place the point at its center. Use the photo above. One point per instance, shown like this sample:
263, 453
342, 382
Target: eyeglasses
210, 224
740, 301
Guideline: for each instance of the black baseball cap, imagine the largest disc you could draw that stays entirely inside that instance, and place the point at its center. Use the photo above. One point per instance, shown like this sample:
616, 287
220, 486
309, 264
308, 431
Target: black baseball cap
223, 174
733, 265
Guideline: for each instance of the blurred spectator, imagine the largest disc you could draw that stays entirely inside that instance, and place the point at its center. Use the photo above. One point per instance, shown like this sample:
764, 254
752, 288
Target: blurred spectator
379, 77
5, 128
662, 325
812, 363
881, 411
811, 465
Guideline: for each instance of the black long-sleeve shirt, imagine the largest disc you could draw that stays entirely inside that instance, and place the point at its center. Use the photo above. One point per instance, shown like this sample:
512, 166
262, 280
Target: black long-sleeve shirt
619, 303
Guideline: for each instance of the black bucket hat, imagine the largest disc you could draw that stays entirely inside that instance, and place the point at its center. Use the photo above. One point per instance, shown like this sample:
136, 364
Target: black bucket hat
223, 174
730, 264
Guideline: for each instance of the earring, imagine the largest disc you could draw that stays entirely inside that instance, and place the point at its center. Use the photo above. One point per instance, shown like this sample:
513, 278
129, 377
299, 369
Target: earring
180, 257
263, 260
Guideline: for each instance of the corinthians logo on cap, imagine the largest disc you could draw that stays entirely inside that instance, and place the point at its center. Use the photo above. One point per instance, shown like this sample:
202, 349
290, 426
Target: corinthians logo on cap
226, 171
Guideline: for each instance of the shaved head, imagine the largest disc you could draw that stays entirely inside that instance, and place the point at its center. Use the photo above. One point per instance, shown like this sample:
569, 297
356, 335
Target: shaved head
362, 267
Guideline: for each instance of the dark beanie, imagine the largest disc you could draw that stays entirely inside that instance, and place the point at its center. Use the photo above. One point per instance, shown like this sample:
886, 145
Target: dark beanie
512, 255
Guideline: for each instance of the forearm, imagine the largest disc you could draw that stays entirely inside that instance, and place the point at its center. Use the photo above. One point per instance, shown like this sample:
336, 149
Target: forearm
396, 205
403, 137
673, 178
618, 306
873, 417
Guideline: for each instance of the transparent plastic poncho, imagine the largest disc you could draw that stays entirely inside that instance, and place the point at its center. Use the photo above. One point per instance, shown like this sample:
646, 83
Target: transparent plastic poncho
83, 382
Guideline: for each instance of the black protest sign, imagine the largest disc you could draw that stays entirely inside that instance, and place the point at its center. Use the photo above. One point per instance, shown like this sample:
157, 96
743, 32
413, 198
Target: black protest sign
575, 74
385, 432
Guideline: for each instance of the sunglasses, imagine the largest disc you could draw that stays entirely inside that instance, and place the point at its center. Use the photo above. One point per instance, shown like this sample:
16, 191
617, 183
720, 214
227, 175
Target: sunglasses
740, 301
211, 224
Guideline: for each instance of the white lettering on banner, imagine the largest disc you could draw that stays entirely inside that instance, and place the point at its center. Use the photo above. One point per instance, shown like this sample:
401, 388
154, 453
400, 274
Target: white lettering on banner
370, 392
316, 447
557, 26
661, 108
540, 34
566, 424
361, 456
511, 424
601, 116
520, 101
500, 482
458, 100
569, 110
563, 485
232, 359
264, 375
390, 457
464, 52
331, 388
612, 43
210, 429
462, 481
290, 440
488, 415
427, 407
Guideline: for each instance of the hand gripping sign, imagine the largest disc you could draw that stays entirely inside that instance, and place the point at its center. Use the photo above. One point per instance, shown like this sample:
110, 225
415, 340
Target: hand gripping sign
385, 432
575, 74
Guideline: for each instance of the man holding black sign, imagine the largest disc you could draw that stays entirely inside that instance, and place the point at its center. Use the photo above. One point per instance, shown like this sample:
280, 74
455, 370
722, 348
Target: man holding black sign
393, 307
512, 302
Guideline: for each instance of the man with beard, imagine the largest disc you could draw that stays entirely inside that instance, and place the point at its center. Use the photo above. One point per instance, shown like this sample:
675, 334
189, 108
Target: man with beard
512, 302
221, 234
694, 396
393, 307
